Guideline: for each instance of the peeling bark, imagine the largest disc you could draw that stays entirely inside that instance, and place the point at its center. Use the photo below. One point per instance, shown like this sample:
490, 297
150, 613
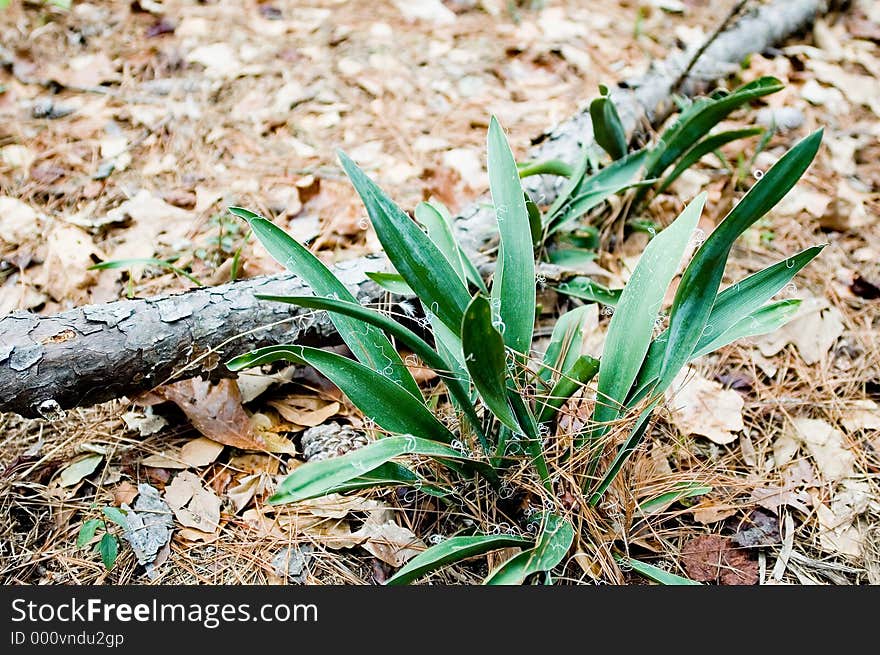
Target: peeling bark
99, 352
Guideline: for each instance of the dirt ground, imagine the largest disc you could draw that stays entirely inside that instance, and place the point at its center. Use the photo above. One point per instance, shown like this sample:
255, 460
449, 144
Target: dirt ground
127, 128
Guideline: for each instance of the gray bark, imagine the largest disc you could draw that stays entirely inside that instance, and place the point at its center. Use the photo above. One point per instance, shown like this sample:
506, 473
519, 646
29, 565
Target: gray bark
99, 352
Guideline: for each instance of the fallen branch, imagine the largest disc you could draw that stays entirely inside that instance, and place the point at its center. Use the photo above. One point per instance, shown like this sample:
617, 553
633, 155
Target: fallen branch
99, 352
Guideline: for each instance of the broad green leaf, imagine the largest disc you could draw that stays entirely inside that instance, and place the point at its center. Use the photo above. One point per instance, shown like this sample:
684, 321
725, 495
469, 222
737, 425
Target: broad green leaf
586, 289
704, 147
699, 119
632, 325
654, 573
391, 282
566, 343
761, 321
470, 271
440, 232
405, 336
551, 549
750, 294
570, 187
699, 283
607, 128
732, 306
389, 474
452, 550
109, 549
536, 226
573, 379
368, 345
413, 254
514, 288
87, 532
486, 360
384, 401
571, 259
117, 516
318, 478
681, 491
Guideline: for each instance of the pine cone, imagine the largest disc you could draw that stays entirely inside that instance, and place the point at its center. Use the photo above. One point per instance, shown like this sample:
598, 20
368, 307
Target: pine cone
330, 440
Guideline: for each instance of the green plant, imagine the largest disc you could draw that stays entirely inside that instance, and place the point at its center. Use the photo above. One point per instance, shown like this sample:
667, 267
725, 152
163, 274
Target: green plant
564, 238
108, 545
507, 404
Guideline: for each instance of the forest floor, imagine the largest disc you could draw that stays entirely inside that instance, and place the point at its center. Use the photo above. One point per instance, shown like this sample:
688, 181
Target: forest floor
127, 128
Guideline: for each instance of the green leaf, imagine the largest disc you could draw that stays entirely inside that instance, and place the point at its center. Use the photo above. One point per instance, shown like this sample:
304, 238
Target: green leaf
699, 119
367, 344
392, 283
572, 259
633, 440
116, 515
514, 287
574, 378
682, 490
440, 232
471, 274
109, 549
87, 532
388, 404
548, 167
319, 478
607, 128
699, 283
533, 436
654, 573
632, 325
452, 550
704, 147
761, 321
566, 343
552, 547
731, 307
413, 254
443, 366
486, 360
536, 226
586, 289
593, 190
389, 474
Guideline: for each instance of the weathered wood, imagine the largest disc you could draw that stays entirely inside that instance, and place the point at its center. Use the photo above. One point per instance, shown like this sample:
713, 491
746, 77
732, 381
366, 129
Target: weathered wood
99, 352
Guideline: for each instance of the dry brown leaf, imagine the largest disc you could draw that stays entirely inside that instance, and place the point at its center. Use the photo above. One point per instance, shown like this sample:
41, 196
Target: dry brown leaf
713, 512
200, 452
813, 331
774, 498
864, 415
701, 406
192, 504
305, 411
65, 272
191, 534
710, 558
167, 459
826, 446
18, 222
840, 531
216, 411
124, 493
243, 492
388, 541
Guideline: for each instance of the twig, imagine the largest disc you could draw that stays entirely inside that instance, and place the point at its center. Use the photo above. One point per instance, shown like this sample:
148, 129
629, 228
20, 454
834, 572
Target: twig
735, 11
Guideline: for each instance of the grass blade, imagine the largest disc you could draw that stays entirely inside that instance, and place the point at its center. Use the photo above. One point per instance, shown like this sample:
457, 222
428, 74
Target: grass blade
317, 478
413, 254
388, 404
654, 573
699, 283
551, 549
514, 288
682, 490
452, 550
369, 345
